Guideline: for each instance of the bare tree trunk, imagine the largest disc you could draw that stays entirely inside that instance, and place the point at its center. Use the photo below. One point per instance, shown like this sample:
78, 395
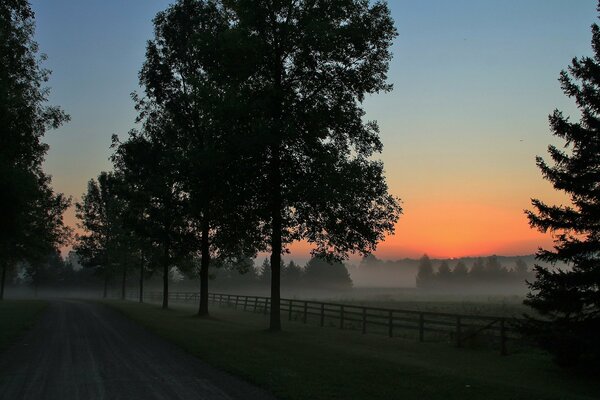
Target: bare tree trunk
276, 245
2, 284
142, 280
204, 264
124, 283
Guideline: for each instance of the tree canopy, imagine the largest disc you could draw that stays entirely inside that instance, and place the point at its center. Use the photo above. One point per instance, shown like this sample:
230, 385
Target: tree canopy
569, 298
32, 227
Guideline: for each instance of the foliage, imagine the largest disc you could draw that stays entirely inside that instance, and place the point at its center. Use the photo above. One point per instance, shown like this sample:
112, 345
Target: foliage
425, 272
485, 273
321, 273
32, 224
307, 67
569, 298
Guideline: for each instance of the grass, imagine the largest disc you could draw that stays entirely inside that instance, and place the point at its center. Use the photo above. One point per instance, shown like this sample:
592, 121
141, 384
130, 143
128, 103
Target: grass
16, 316
307, 362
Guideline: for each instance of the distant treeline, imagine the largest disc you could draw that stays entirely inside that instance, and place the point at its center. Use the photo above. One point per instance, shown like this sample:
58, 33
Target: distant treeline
52, 272
317, 274
483, 272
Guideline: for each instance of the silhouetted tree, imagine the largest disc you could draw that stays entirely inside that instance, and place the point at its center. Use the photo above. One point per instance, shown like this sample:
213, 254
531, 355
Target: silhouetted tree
292, 274
149, 164
425, 272
320, 273
569, 298
477, 271
495, 273
31, 225
104, 243
183, 81
521, 270
444, 273
460, 272
308, 66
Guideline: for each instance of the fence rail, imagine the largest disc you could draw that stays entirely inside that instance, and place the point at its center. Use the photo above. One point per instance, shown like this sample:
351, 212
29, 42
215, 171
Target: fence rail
458, 327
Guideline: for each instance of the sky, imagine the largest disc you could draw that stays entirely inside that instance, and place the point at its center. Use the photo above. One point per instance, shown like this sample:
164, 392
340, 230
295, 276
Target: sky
474, 83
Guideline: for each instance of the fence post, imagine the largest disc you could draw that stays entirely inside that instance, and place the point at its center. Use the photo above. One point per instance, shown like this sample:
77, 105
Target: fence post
290, 302
503, 350
255, 303
305, 312
364, 321
341, 317
237, 299
245, 302
390, 323
322, 314
458, 332
421, 327
266, 305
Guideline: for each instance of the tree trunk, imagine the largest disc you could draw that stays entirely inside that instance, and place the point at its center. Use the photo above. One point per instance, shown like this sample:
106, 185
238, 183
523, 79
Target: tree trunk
4, 268
124, 283
276, 246
204, 264
276, 195
142, 280
105, 286
165, 303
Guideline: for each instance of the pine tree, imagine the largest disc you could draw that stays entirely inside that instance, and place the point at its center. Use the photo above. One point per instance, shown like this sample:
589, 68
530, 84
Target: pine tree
568, 297
425, 273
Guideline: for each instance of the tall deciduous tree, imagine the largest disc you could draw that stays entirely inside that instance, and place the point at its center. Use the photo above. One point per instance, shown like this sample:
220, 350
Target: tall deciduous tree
183, 80
32, 213
149, 165
104, 243
307, 67
569, 298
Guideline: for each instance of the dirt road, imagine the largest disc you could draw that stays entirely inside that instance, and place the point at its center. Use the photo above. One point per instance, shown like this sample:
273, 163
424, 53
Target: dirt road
87, 351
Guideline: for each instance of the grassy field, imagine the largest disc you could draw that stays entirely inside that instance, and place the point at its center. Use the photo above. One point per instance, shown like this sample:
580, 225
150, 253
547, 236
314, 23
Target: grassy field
307, 362
16, 316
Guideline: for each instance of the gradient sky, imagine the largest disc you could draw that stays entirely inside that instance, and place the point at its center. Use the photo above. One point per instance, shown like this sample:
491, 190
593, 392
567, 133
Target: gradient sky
474, 82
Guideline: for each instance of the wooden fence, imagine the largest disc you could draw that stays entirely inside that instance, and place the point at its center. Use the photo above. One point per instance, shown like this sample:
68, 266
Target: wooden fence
460, 328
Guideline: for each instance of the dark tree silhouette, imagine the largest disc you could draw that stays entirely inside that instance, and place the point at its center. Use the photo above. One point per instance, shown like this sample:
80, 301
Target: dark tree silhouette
149, 166
31, 226
183, 81
569, 298
425, 272
105, 243
444, 273
308, 66
320, 273
460, 272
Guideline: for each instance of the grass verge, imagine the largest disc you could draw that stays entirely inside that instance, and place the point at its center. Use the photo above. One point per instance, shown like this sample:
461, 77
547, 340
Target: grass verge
16, 316
307, 362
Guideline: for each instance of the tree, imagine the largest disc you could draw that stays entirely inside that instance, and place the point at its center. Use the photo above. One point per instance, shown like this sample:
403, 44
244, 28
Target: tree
460, 272
264, 272
104, 244
32, 222
425, 272
321, 273
183, 82
521, 270
477, 271
292, 274
148, 164
444, 274
569, 298
307, 67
